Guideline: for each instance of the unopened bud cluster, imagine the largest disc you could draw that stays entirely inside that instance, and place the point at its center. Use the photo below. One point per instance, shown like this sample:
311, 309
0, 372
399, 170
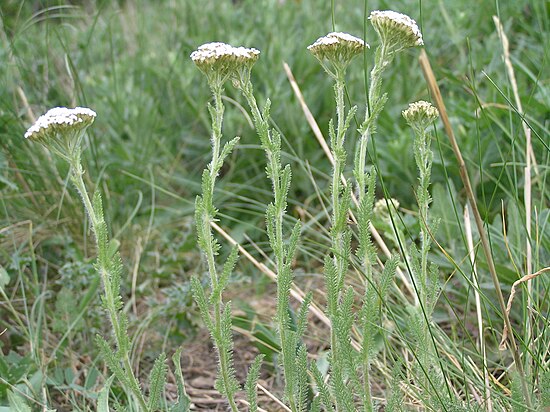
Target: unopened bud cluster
419, 115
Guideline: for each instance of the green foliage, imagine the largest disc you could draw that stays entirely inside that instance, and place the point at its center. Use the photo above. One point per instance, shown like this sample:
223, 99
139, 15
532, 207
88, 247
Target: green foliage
103, 398
252, 381
157, 381
17, 402
184, 401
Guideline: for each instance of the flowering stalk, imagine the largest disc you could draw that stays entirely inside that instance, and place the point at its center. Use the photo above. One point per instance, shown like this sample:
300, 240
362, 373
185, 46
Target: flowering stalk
61, 130
219, 62
296, 380
420, 115
396, 32
335, 52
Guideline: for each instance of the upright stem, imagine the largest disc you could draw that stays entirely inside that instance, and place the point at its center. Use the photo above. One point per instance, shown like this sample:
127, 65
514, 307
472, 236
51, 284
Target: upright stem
96, 220
217, 121
273, 153
371, 114
338, 229
337, 148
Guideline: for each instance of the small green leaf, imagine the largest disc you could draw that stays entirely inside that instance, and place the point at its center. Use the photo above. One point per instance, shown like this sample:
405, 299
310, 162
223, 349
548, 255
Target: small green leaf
4, 277
17, 403
103, 398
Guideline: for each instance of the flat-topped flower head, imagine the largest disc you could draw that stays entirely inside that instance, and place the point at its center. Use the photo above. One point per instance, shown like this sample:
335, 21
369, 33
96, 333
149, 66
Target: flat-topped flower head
419, 115
219, 61
61, 129
396, 30
338, 49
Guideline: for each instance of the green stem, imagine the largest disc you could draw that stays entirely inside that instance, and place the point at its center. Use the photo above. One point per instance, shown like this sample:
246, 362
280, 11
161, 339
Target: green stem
273, 154
209, 252
76, 177
371, 113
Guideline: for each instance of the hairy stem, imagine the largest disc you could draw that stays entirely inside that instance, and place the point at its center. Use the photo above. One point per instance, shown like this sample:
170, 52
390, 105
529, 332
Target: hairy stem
96, 219
209, 250
272, 148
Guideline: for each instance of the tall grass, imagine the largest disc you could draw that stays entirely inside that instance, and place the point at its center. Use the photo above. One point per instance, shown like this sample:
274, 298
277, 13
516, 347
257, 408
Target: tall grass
129, 61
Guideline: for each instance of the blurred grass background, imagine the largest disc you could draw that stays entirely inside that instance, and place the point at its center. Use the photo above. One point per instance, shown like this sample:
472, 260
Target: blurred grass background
129, 61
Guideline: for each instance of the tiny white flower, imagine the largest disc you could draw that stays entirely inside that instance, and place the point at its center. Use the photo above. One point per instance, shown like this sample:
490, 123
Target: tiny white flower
395, 29
60, 118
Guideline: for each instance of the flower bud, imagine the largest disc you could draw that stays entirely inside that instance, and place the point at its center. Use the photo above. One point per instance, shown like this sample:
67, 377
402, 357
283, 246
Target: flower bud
419, 115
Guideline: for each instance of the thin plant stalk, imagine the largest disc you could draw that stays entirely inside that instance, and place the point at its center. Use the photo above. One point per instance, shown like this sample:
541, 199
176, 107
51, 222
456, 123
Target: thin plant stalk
276, 212
109, 298
210, 246
475, 281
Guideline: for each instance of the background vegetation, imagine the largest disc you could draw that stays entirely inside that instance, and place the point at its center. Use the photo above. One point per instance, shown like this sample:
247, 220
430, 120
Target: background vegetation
129, 61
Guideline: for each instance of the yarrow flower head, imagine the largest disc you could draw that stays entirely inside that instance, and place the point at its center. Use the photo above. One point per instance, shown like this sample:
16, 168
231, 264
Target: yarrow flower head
220, 61
61, 130
396, 31
419, 115
338, 49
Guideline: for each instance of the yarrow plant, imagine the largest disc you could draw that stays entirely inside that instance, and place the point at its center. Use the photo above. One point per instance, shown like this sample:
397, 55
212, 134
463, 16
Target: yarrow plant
420, 116
293, 356
384, 351
335, 52
220, 62
61, 130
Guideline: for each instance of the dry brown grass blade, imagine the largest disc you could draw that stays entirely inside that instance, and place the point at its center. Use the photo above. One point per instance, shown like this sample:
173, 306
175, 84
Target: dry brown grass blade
321, 139
526, 278
436, 95
273, 397
471, 255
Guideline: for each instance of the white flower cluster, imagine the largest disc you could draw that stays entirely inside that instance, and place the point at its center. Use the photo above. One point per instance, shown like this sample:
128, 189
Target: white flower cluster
61, 118
337, 38
398, 26
338, 49
210, 53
